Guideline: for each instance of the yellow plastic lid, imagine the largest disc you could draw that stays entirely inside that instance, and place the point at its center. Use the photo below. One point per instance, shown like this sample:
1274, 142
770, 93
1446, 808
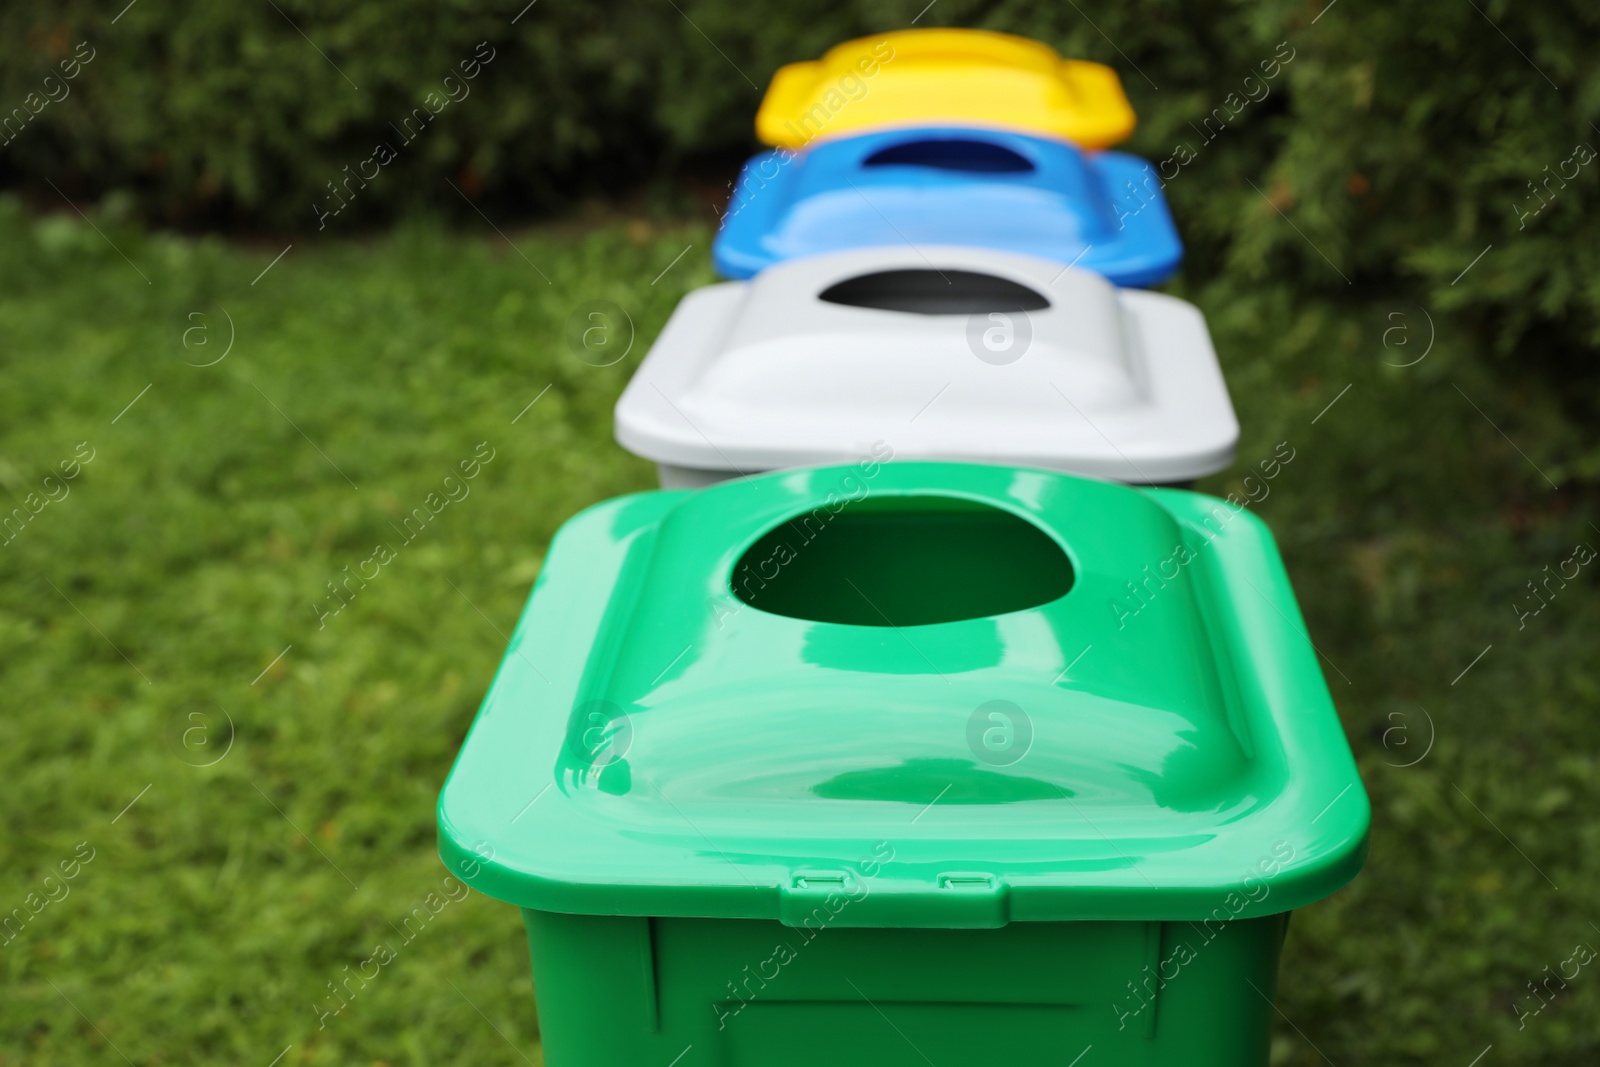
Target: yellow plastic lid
945, 77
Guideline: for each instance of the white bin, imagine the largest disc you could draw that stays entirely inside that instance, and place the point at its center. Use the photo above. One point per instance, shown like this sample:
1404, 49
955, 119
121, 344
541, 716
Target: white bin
939, 353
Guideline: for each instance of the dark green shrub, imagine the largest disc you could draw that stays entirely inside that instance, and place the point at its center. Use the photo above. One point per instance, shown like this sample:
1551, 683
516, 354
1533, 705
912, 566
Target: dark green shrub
1395, 143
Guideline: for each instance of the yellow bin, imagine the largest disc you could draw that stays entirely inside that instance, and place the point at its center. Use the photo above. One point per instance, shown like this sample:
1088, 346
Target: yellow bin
945, 78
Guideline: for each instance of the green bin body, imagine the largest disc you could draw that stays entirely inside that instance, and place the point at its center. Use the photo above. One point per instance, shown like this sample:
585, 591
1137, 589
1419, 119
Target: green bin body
907, 763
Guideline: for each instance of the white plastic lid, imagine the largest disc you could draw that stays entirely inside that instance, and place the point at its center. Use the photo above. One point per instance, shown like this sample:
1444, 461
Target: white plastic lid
1006, 359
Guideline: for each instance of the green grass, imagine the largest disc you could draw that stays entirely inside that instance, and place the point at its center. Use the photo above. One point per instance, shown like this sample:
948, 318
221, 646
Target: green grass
190, 551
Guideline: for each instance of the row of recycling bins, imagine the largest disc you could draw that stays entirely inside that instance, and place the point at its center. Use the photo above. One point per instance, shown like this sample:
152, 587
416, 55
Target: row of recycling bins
894, 730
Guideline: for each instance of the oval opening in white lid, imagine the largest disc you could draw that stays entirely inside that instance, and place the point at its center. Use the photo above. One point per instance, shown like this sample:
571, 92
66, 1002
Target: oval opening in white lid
928, 291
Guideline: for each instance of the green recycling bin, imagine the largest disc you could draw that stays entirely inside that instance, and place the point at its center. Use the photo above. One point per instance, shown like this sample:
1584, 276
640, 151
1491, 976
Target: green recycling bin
893, 764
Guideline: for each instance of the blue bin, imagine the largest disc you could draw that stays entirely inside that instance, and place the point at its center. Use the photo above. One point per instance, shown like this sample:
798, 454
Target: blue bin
982, 188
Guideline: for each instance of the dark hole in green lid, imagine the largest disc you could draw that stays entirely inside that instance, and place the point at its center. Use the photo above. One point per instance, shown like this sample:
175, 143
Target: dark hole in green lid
902, 561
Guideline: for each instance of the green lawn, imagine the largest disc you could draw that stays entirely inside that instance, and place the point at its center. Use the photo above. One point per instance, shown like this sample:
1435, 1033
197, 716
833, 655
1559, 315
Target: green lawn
174, 588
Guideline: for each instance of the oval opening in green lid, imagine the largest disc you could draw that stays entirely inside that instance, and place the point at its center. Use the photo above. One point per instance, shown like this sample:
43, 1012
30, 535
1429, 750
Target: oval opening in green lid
905, 561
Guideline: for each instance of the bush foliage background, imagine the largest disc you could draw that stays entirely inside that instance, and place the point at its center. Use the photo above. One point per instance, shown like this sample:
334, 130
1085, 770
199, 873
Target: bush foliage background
1401, 141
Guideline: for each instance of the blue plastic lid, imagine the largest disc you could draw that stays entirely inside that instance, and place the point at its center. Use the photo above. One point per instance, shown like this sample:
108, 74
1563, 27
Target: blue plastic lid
993, 189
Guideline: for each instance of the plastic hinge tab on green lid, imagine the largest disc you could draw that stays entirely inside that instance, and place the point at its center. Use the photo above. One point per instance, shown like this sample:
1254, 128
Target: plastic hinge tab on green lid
909, 694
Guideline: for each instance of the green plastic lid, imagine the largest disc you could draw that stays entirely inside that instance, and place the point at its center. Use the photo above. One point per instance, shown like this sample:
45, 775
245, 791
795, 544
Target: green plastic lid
949, 695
